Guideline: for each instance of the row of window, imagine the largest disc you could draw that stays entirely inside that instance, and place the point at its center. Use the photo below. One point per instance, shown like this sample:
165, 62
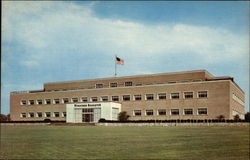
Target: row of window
138, 97
130, 83
163, 112
41, 114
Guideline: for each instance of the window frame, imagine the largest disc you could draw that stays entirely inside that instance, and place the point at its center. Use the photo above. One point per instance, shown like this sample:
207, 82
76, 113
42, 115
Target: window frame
174, 114
128, 83
126, 95
188, 109
82, 99
22, 115
31, 113
91, 98
74, 98
54, 101
134, 113
30, 101
149, 111
115, 96
137, 95
184, 96
54, 114
105, 100
63, 100
99, 85
171, 97
202, 114
21, 102
45, 100
110, 84
158, 96
158, 113
37, 114
45, 114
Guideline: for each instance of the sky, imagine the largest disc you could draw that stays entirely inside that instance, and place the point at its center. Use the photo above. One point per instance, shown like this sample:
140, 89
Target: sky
50, 41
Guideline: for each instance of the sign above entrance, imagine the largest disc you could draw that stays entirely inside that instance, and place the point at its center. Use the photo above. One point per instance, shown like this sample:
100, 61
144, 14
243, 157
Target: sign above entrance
87, 105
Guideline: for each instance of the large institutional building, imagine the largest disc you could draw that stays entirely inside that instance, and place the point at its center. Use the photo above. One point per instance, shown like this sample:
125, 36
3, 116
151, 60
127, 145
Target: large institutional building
179, 95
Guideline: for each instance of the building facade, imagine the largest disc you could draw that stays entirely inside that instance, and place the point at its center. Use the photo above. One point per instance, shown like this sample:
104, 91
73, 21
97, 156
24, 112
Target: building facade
179, 95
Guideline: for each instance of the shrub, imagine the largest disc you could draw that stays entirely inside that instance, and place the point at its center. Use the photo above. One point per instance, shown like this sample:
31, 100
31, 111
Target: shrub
123, 116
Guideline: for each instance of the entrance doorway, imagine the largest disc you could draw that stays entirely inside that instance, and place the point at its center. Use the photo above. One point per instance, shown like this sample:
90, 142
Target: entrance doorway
87, 115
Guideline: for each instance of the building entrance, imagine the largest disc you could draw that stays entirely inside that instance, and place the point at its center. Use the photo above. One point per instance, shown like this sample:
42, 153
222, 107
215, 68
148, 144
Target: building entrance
87, 115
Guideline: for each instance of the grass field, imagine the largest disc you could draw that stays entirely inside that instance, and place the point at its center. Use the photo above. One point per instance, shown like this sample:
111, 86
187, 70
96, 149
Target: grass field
78, 142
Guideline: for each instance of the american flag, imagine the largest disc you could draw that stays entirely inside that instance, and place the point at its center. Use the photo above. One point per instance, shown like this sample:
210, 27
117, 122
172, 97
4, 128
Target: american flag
119, 61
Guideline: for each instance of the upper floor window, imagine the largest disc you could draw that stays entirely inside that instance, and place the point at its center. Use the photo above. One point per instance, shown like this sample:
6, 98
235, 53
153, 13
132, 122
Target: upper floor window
56, 101
23, 102
105, 98
137, 112
99, 85
115, 98
39, 101
162, 96
175, 96
162, 112
188, 95
128, 83
149, 96
202, 94
202, 111
31, 102
74, 100
174, 111
47, 101
188, 111
84, 99
137, 97
65, 100
94, 99
126, 97
149, 112
113, 84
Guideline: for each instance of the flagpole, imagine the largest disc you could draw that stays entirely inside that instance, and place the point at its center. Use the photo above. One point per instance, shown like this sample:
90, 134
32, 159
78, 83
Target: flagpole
115, 66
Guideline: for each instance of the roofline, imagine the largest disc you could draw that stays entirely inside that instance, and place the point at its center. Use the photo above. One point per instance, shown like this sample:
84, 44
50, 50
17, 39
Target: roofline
144, 75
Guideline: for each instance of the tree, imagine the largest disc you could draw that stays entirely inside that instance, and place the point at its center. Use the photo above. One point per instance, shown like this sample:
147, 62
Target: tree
123, 116
236, 117
247, 116
221, 117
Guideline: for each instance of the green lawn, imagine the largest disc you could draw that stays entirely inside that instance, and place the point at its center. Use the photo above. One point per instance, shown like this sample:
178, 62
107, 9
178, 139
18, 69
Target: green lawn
96, 142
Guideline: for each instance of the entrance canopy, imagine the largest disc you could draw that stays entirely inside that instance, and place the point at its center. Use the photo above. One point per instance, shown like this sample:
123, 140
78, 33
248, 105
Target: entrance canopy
92, 112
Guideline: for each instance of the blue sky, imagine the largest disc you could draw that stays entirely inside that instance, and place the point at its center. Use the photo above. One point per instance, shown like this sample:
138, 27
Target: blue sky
59, 41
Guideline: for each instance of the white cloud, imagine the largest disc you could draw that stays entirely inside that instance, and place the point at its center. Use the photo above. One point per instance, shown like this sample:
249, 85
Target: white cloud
46, 27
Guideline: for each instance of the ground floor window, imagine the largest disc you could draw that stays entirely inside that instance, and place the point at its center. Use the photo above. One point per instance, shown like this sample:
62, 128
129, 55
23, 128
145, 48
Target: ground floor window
31, 115
47, 114
23, 115
202, 111
137, 112
64, 114
162, 112
56, 114
149, 112
174, 111
188, 111
39, 114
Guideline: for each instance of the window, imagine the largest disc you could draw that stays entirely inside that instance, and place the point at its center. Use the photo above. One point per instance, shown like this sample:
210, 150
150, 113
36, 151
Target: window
202, 94
84, 99
94, 99
128, 83
175, 96
137, 97
31, 102
65, 100
47, 114
149, 96
99, 86
74, 100
188, 95
202, 111
23, 115
137, 112
105, 98
188, 111
39, 114
39, 101
64, 114
126, 98
47, 101
174, 111
23, 102
149, 112
115, 98
56, 101
31, 115
87, 110
113, 84
162, 112
56, 114
162, 96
